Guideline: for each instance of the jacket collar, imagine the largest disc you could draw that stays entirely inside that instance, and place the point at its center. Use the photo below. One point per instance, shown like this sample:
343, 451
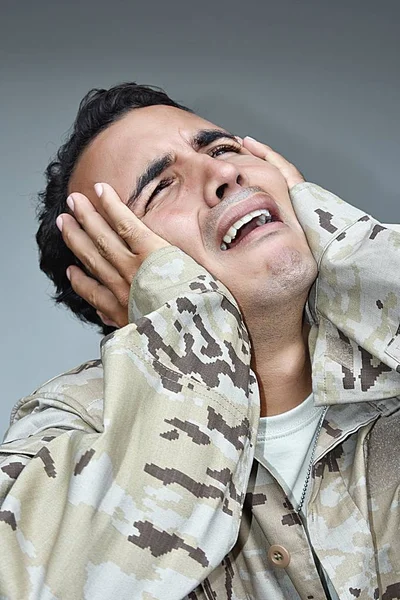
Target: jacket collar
344, 372
342, 420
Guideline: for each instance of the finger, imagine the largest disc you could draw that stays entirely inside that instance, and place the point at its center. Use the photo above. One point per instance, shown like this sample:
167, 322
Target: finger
140, 239
83, 248
265, 152
288, 170
107, 242
98, 296
106, 320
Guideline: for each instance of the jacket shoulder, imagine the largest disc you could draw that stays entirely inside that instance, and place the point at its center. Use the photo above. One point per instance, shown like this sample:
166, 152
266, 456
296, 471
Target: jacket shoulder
78, 392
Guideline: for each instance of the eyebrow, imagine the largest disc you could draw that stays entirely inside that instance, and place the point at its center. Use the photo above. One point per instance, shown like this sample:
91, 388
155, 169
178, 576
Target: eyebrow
156, 167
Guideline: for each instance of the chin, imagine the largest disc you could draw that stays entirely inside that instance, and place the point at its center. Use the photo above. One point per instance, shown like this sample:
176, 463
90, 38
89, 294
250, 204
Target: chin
283, 276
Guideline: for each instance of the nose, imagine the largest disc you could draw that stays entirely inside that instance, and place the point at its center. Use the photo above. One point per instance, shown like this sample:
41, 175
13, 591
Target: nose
221, 178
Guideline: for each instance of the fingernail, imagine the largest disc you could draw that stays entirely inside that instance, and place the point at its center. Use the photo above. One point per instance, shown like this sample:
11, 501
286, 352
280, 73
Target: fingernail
70, 202
68, 273
59, 222
248, 137
98, 188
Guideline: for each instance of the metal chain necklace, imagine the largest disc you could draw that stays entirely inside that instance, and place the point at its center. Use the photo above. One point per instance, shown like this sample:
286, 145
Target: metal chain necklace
310, 465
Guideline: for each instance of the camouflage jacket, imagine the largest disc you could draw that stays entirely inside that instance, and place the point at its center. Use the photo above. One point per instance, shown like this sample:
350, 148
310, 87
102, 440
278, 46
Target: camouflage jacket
133, 476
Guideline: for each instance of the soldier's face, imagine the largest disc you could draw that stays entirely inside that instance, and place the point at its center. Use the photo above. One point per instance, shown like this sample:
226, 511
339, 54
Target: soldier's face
190, 181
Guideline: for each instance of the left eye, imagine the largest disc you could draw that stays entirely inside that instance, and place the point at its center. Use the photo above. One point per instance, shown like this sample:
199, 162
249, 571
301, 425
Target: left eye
218, 150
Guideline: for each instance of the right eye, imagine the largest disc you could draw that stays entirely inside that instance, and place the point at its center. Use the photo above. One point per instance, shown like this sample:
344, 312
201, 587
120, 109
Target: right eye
162, 185
224, 149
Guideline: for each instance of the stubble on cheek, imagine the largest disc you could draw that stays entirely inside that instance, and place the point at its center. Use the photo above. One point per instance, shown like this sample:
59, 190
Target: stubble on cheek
208, 236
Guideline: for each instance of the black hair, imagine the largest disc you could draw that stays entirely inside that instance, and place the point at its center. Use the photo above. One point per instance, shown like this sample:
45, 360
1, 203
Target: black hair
97, 110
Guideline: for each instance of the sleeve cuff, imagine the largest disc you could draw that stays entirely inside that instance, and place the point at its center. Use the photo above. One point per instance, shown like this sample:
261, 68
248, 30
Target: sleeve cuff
166, 274
322, 215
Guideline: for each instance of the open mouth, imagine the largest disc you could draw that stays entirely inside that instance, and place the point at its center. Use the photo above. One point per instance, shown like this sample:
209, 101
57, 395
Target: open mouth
245, 225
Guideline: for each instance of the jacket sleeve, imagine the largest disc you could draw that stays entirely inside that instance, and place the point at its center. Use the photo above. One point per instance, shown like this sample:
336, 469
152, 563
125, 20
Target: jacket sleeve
145, 501
356, 298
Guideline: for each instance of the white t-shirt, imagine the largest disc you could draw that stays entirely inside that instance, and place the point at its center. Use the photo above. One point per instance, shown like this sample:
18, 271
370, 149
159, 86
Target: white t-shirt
284, 446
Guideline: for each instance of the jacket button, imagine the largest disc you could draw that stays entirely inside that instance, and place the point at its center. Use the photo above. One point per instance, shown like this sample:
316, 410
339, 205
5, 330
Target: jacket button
279, 556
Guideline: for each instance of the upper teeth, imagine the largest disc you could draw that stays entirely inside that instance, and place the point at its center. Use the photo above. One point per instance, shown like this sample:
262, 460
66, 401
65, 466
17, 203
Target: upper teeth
264, 215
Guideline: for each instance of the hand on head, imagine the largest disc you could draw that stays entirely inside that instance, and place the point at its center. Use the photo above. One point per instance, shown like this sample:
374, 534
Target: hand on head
287, 169
111, 243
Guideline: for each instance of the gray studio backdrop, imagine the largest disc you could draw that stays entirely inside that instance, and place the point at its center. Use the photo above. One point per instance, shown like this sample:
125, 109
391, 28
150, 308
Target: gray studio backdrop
317, 80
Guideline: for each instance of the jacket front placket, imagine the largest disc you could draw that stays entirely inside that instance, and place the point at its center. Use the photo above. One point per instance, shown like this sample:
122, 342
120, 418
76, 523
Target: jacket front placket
271, 551
337, 509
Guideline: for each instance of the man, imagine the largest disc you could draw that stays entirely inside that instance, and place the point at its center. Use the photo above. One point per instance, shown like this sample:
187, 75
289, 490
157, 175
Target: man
134, 477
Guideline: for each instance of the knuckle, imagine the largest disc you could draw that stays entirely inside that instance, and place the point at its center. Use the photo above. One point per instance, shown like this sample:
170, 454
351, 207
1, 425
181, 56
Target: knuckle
90, 263
93, 296
102, 244
112, 258
123, 298
119, 289
127, 230
109, 282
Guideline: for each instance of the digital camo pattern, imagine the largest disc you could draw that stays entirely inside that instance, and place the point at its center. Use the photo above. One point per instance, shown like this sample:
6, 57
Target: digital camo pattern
128, 480
134, 477
357, 298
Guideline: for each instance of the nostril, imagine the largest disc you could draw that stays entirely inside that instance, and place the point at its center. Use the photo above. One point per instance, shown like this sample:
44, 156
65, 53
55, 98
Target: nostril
220, 191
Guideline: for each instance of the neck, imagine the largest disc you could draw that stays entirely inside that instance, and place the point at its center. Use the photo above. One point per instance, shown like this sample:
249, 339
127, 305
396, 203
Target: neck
281, 361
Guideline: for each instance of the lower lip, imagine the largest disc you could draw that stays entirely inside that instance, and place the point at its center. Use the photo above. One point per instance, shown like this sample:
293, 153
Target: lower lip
259, 231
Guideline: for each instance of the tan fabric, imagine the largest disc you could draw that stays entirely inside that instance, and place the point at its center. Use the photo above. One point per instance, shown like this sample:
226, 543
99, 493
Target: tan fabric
133, 477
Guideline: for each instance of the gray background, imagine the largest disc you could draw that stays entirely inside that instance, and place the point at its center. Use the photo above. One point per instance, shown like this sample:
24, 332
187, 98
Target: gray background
319, 81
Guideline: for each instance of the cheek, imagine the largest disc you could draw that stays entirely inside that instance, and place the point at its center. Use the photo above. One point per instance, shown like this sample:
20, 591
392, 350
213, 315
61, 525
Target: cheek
258, 172
179, 228
273, 182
